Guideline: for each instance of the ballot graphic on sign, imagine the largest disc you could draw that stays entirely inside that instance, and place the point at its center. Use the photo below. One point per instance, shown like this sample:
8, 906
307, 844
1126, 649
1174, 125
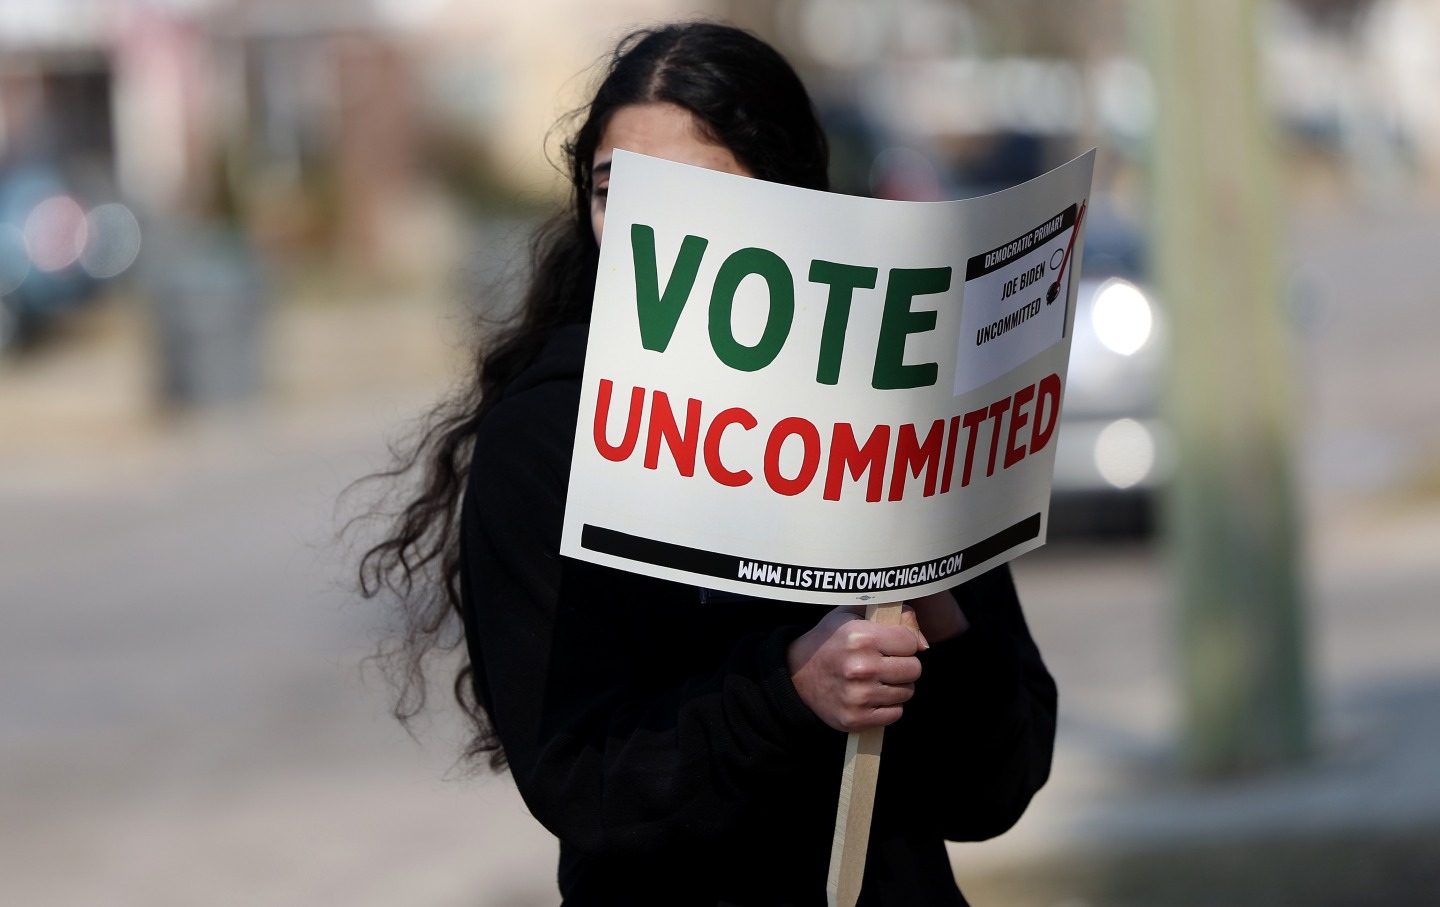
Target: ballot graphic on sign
1007, 289
806, 396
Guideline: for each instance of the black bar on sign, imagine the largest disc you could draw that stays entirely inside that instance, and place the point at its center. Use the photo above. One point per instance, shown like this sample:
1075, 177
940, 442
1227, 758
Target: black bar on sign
652, 551
1000, 542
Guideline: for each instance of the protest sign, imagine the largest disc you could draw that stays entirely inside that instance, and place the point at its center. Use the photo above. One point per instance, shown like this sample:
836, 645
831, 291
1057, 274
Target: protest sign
813, 397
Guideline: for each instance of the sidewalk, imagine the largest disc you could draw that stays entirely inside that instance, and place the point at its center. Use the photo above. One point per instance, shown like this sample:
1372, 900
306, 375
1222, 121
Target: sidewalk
1117, 806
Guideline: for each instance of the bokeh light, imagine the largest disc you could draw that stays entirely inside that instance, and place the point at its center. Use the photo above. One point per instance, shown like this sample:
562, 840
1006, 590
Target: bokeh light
113, 241
1124, 453
55, 233
1121, 316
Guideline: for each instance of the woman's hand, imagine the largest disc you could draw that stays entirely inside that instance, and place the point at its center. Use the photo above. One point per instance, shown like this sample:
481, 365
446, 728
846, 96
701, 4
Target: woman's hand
854, 673
939, 616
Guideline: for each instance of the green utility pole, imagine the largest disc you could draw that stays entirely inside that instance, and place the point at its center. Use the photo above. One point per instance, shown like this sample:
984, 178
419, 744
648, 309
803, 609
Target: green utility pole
1231, 518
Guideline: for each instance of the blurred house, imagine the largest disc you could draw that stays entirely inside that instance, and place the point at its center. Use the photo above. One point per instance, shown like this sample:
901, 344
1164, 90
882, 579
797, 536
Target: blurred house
295, 120
308, 121
315, 124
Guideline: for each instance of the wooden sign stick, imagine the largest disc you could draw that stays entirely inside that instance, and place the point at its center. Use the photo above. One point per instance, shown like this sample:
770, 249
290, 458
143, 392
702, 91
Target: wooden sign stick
857, 796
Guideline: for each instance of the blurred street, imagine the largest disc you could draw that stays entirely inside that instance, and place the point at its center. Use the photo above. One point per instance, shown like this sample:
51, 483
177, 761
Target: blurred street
241, 246
182, 713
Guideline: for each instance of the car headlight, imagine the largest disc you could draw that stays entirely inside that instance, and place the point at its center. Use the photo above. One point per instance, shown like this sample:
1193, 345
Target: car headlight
1121, 316
1125, 453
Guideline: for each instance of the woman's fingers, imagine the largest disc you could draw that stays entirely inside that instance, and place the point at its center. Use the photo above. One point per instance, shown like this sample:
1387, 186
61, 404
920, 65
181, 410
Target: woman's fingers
939, 616
855, 673
864, 637
910, 620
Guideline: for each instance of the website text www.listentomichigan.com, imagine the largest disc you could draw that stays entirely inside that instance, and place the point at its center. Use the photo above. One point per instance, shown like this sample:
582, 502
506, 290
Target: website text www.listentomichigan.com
848, 580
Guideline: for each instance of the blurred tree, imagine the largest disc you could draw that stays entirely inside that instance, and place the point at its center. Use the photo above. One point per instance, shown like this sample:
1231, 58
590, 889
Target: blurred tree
1232, 520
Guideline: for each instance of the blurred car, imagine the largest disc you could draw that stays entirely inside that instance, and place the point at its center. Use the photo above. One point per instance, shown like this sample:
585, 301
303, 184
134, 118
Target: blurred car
1114, 451
56, 248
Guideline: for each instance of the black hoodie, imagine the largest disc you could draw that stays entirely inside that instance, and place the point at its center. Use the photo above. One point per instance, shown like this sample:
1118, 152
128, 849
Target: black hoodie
660, 738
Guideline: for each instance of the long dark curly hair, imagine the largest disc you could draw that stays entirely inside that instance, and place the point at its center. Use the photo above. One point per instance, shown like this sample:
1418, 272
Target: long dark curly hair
745, 96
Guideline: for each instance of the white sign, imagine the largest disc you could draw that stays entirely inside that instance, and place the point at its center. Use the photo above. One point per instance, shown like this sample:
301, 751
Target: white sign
806, 396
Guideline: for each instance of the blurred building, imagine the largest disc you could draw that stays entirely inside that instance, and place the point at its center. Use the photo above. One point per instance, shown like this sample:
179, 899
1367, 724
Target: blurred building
315, 123
989, 92
306, 120
290, 118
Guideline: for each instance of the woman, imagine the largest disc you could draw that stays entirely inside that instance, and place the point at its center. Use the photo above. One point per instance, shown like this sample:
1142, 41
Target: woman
685, 750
